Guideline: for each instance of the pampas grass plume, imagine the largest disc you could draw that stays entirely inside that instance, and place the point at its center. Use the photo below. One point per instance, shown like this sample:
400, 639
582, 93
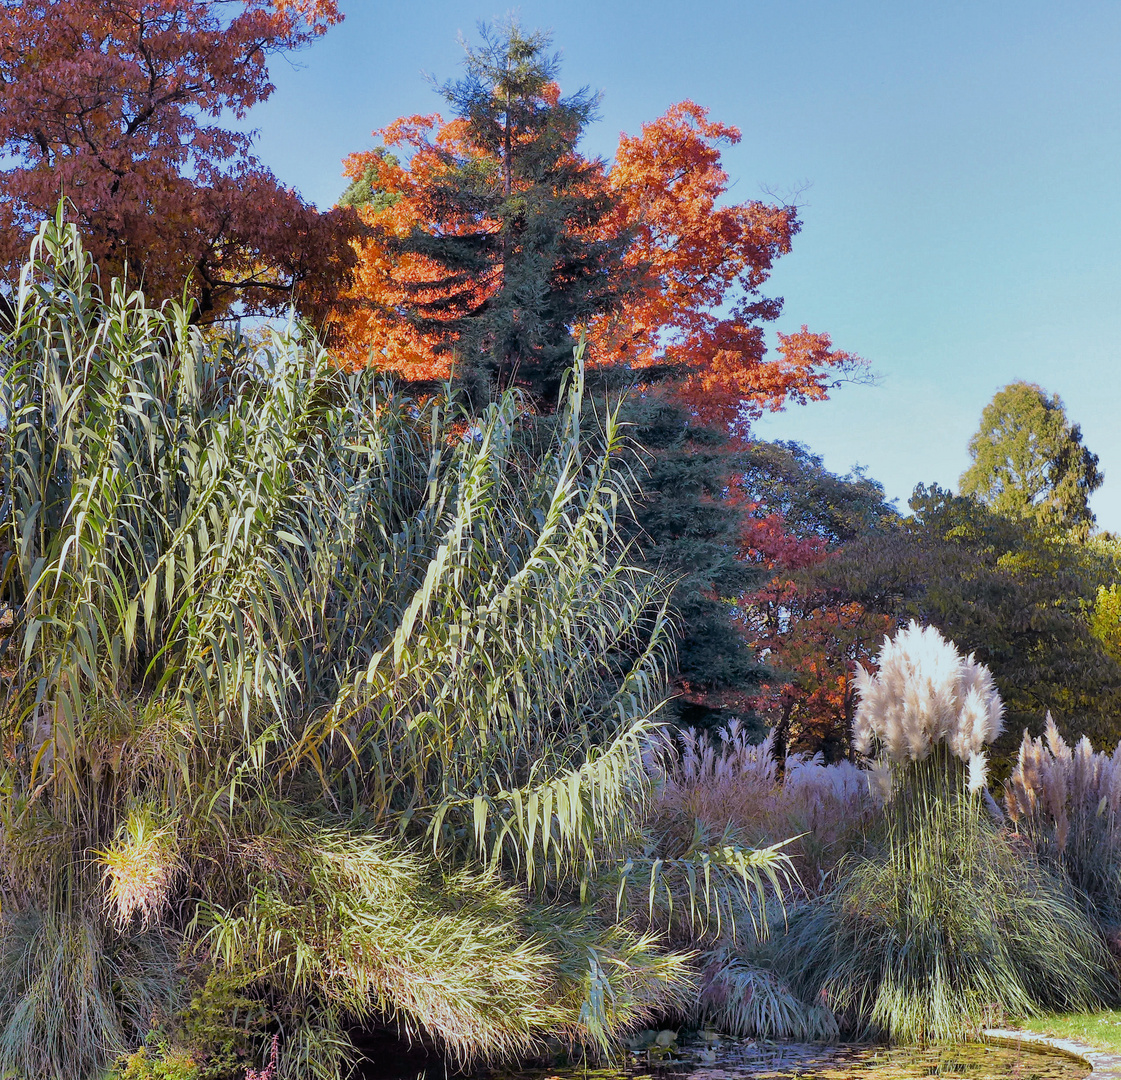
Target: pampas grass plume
925, 693
1053, 782
881, 783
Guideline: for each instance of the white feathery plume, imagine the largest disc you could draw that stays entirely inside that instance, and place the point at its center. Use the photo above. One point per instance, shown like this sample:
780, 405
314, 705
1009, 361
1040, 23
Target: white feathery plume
1112, 781
1063, 788
978, 773
924, 693
1055, 742
880, 783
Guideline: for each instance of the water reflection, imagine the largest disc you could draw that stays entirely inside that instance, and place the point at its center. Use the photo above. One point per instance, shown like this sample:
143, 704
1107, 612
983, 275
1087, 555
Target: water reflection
713, 1060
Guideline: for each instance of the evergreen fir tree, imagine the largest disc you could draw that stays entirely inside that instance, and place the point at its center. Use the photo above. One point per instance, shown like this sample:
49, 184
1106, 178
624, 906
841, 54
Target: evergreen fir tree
689, 524
516, 208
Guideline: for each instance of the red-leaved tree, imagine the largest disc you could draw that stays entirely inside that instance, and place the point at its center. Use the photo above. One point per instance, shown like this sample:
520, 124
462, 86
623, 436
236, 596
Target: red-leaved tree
119, 107
800, 517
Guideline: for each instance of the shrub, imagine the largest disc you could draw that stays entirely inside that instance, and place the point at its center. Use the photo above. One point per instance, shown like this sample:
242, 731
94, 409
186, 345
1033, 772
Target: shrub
753, 1001
166, 1063
929, 946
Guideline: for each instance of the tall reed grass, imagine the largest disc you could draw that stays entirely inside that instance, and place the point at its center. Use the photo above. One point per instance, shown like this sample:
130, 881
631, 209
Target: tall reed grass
340, 695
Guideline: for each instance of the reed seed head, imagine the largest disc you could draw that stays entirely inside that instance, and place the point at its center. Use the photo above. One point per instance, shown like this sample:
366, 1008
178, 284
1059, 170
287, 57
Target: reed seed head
924, 693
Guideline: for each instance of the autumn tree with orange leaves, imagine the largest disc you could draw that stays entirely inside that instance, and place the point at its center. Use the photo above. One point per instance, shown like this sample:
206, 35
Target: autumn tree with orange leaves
692, 311
647, 258
116, 107
695, 334
699, 314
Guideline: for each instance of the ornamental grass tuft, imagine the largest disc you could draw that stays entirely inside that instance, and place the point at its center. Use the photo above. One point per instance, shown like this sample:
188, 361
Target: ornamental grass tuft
1066, 803
944, 922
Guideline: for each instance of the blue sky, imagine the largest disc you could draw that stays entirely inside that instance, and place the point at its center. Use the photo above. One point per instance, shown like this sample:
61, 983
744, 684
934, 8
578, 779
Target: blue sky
961, 167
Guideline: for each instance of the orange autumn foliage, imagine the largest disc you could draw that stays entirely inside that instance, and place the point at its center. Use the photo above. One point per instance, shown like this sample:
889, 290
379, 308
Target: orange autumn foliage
371, 323
697, 314
812, 708
701, 308
368, 326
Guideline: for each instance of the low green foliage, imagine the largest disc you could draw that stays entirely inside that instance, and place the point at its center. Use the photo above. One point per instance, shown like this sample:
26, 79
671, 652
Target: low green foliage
158, 1061
1100, 1028
217, 1029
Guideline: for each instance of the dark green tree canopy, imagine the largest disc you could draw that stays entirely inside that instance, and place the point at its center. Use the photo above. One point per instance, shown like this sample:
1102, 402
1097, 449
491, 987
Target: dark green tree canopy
688, 528
1029, 461
515, 211
1004, 588
787, 478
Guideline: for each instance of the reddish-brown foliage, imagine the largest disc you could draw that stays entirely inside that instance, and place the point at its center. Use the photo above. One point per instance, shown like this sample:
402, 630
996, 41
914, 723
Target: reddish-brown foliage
699, 311
813, 641
116, 106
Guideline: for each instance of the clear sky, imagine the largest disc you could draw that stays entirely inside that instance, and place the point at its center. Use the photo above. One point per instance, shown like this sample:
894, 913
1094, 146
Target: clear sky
961, 167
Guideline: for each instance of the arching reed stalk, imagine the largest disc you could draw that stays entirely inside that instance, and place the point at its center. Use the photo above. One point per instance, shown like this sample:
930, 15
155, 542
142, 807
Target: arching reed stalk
303, 676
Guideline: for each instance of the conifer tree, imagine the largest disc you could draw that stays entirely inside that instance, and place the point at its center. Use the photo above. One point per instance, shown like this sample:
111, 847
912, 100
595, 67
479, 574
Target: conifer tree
519, 262
689, 524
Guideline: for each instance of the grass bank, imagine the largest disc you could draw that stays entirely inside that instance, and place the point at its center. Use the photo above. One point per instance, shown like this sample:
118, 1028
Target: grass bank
1101, 1030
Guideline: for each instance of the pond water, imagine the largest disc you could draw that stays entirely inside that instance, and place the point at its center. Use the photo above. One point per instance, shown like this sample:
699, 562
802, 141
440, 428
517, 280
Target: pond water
792, 1061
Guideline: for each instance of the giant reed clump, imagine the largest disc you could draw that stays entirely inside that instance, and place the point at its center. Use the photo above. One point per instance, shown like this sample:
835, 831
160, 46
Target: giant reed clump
946, 922
339, 695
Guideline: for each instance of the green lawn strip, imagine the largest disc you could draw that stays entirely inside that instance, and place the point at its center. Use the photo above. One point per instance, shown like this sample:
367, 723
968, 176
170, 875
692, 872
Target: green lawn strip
1098, 1029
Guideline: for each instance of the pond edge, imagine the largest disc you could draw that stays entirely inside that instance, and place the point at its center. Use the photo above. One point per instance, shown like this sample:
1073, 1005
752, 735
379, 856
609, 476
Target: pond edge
1103, 1065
